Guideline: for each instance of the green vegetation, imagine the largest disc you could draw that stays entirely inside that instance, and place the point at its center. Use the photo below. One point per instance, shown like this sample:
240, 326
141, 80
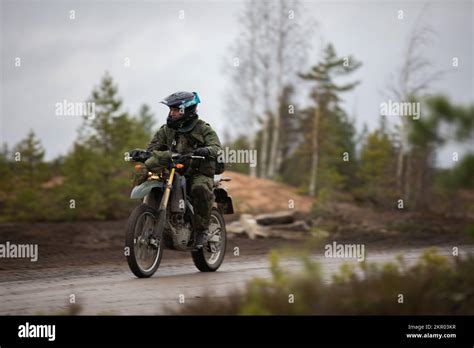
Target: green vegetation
91, 182
376, 168
433, 286
321, 155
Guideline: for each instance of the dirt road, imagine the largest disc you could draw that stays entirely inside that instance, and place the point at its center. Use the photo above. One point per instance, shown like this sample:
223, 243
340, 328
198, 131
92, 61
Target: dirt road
110, 288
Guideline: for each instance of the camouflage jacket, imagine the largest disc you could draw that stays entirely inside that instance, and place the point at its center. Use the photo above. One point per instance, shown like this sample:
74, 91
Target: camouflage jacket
198, 134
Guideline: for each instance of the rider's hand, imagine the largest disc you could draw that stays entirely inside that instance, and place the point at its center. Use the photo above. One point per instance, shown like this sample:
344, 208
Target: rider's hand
201, 151
139, 155
158, 159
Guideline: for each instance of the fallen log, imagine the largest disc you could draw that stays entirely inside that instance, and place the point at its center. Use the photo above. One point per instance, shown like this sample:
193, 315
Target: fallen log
278, 218
250, 226
297, 226
235, 227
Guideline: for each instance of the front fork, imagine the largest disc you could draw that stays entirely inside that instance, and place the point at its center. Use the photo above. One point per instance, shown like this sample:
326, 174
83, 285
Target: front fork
166, 194
161, 216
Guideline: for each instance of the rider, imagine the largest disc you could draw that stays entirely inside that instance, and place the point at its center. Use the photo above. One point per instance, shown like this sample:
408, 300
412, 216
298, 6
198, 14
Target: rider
184, 132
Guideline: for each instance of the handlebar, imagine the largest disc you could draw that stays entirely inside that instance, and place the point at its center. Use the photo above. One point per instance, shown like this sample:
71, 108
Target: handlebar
178, 156
142, 156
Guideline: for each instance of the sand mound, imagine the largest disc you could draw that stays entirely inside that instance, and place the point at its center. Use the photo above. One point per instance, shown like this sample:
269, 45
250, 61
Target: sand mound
255, 195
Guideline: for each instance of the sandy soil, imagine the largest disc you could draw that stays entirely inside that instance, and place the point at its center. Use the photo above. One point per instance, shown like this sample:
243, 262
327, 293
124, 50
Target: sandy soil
256, 195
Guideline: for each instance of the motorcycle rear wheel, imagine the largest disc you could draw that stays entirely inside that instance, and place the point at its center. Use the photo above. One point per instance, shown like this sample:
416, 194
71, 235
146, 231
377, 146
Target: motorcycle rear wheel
207, 261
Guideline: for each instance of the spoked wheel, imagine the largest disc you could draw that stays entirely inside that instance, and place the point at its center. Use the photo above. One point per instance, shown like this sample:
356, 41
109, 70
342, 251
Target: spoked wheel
144, 246
210, 257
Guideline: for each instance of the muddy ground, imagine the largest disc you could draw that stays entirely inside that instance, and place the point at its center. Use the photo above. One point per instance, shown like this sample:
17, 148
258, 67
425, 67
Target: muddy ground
94, 243
86, 259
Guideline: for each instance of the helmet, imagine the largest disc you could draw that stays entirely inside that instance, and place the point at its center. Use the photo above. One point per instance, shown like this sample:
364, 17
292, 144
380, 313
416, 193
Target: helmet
185, 101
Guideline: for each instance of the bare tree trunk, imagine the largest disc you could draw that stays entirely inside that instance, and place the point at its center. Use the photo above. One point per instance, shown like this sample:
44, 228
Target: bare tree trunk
422, 175
400, 165
265, 128
315, 156
275, 151
264, 148
267, 75
408, 179
279, 154
253, 105
252, 143
253, 94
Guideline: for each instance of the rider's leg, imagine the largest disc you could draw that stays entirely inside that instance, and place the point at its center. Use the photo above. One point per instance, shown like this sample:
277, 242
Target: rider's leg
202, 200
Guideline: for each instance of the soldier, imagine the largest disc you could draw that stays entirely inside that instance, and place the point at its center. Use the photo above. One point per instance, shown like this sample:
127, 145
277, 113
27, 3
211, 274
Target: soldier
185, 132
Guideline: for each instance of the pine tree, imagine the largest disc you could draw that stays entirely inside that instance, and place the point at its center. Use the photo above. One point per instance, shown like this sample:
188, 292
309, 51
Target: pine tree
325, 94
23, 199
96, 170
145, 121
377, 164
30, 154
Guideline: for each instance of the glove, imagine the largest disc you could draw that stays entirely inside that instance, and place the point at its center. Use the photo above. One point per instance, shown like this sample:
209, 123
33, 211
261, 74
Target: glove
158, 159
138, 155
201, 151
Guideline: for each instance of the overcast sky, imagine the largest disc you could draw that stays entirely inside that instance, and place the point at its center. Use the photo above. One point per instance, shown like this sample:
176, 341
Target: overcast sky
63, 58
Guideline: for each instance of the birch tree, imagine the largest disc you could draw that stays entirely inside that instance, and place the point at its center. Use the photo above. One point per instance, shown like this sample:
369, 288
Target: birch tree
271, 47
291, 47
411, 83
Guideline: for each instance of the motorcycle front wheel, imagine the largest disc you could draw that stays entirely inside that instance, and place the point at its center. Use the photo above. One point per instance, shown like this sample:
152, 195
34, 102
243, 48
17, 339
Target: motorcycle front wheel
144, 248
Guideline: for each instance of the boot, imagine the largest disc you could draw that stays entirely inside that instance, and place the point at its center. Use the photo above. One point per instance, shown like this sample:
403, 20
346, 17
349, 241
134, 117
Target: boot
201, 239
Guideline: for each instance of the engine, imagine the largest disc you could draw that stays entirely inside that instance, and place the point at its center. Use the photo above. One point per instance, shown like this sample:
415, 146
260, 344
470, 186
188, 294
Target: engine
180, 231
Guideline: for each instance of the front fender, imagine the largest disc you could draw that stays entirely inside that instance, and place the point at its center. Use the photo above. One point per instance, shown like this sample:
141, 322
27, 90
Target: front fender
145, 188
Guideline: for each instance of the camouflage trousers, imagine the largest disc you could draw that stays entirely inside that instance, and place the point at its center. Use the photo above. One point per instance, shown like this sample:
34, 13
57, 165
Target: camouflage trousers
202, 199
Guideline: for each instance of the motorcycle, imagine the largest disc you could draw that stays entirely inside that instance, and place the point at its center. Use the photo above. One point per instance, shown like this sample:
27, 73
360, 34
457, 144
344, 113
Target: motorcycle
164, 220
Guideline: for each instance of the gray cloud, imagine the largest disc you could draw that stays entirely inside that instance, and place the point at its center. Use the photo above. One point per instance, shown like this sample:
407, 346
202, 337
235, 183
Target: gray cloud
64, 59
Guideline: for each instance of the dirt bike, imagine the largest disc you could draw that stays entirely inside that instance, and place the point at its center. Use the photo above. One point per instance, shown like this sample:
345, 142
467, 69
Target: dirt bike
164, 220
